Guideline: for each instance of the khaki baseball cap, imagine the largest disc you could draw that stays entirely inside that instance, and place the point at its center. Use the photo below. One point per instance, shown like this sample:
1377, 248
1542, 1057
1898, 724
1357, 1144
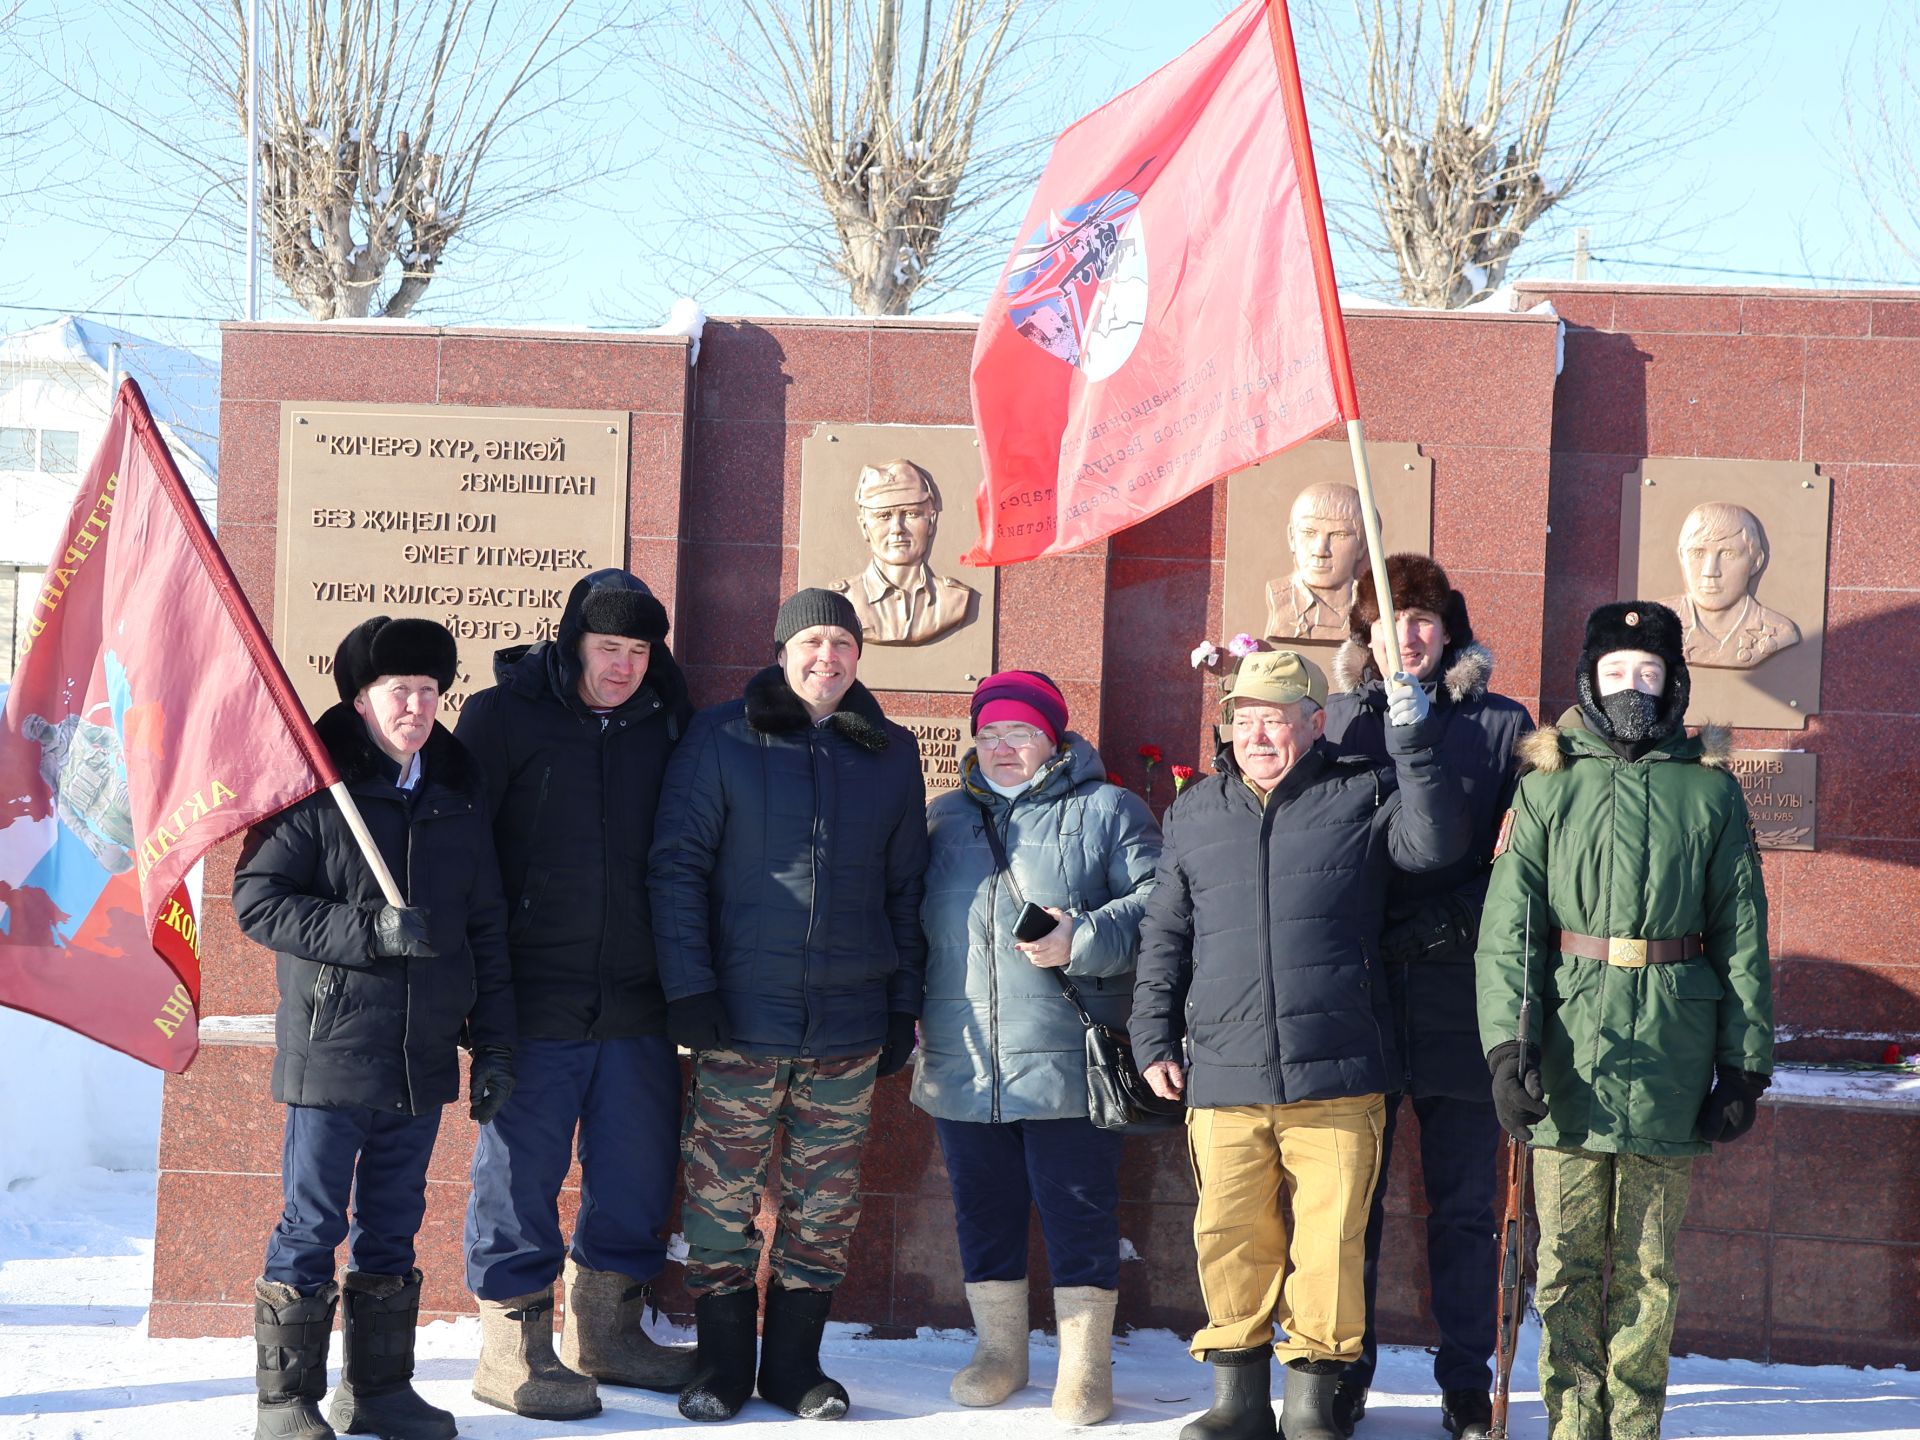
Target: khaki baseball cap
1278, 677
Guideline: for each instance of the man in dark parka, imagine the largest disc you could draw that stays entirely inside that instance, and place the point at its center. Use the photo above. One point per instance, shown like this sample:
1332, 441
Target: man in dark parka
1432, 921
1259, 998
574, 742
374, 999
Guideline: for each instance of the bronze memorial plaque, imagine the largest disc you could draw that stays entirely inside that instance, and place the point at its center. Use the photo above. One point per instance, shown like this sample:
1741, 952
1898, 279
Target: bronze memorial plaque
943, 740
1779, 786
480, 519
1295, 542
1738, 550
886, 512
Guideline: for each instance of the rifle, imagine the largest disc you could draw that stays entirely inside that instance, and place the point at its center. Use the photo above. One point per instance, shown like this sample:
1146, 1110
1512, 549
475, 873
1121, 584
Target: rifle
1513, 1228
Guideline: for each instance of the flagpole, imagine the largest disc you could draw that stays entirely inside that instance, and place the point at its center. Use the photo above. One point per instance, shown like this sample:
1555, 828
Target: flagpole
266, 662
253, 159
1346, 395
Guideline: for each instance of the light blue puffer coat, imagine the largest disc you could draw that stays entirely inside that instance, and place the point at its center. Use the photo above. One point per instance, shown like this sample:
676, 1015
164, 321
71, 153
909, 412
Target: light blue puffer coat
999, 1041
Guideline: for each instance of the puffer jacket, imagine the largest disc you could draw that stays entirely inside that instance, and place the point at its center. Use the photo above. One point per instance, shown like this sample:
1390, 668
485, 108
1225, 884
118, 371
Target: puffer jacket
787, 868
1436, 913
353, 1029
1653, 848
1260, 944
572, 796
998, 1039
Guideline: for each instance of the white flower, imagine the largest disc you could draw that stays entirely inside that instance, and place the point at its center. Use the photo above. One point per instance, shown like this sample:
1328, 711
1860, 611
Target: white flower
1205, 653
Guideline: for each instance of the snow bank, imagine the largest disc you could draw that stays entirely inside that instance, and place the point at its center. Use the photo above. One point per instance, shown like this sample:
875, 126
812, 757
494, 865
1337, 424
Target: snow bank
68, 1103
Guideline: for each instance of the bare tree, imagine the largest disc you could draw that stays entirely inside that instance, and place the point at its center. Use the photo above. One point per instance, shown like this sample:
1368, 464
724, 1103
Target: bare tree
862, 149
390, 132
1469, 121
1880, 105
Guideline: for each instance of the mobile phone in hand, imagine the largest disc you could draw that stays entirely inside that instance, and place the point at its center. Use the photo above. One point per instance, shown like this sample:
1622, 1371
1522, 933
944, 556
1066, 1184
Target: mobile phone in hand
1034, 924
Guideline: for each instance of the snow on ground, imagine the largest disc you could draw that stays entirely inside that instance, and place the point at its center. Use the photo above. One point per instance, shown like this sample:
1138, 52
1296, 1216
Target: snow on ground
75, 1273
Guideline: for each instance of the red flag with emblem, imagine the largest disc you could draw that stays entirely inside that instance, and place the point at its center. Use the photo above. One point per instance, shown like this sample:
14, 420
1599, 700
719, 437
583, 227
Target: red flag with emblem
147, 721
1170, 314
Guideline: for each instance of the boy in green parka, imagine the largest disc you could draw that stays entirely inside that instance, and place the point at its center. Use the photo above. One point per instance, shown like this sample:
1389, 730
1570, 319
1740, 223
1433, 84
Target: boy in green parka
1629, 860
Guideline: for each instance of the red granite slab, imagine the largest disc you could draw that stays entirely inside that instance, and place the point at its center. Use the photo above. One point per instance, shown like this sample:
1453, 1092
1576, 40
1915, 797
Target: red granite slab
1590, 306
250, 554
1402, 1310
1854, 902
656, 446
1869, 775
729, 595
1687, 314
1845, 1174
928, 1288
1848, 997
565, 372
1778, 315
1155, 1170
249, 462
1724, 1286
1871, 542
1193, 529
1161, 1288
219, 1117
1843, 1302
1733, 1187
1456, 379
272, 362
236, 975
737, 486
920, 377
1862, 402
1899, 319
1489, 507
793, 373
217, 879
1052, 617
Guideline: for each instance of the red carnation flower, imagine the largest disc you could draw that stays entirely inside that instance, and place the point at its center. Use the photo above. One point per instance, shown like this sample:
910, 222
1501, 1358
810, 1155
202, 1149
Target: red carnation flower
1890, 1055
1151, 754
1113, 778
1181, 775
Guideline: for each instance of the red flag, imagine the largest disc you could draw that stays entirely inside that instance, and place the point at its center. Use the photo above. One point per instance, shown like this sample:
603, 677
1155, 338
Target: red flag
1170, 315
147, 721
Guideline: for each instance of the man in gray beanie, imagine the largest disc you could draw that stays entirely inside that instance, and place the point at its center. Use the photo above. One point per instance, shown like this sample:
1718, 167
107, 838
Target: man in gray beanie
786, 877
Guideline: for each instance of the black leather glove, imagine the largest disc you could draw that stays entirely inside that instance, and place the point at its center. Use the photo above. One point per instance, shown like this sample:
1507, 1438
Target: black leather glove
489, 1081
699, 1022
899, 1047
1733, 1104
1519, 1099
400, 932
1443, 929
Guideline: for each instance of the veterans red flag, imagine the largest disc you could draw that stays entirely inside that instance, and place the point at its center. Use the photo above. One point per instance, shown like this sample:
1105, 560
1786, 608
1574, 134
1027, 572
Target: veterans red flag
147, 721
1170, 315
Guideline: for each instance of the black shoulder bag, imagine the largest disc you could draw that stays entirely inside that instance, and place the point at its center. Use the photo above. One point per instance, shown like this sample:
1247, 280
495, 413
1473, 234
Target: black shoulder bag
1117, 1097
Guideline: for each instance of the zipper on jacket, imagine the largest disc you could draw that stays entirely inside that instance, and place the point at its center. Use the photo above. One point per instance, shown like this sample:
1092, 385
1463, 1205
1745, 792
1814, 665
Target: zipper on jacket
813, 890
993, 962
1267, 812
313, 1019
606, 891
406, 1029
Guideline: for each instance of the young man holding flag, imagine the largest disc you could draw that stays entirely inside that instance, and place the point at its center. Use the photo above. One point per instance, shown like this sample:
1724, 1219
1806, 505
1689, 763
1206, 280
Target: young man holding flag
374, 1000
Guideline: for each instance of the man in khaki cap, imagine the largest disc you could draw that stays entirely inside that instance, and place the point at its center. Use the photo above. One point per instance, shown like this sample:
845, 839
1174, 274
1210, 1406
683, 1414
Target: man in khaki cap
1257, 999
899, 599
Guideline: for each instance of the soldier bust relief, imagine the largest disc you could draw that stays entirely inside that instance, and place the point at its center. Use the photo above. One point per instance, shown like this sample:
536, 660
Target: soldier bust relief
1328, 539
1723, 552
898, 597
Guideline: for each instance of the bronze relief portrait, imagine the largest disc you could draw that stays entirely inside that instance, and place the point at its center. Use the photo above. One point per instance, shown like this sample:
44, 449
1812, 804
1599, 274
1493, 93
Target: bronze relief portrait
1327, 538
900, 598
1723, 553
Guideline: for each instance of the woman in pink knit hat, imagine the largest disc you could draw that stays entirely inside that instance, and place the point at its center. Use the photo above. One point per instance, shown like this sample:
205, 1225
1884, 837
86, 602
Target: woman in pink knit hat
1002, 1065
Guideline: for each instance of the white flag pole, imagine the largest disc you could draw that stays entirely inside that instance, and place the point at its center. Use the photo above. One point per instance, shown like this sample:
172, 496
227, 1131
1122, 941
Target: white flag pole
253, 159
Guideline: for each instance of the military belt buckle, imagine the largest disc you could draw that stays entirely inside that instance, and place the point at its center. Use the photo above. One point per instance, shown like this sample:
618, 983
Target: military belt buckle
1627, 954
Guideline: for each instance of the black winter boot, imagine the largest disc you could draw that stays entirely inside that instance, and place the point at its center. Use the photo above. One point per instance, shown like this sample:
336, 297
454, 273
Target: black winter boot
291, 1332
376, 1395
1467, 1414
723, 1359
1242, 1397
790, 1374
1307, 1411
1349, 1406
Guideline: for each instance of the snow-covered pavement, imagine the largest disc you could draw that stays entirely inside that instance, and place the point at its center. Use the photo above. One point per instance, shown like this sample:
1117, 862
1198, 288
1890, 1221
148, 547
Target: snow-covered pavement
75, 1360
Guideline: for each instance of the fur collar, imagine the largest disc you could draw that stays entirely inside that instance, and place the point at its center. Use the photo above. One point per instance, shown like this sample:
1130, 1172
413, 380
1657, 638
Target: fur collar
1468, 674
1540, 749
773, 709
344, 734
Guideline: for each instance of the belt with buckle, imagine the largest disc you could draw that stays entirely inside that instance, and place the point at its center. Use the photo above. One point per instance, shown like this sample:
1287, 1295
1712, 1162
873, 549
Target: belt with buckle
1630, 954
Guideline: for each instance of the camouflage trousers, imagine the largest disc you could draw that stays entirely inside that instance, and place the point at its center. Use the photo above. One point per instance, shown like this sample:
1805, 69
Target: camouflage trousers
743, 1106
1607, 1290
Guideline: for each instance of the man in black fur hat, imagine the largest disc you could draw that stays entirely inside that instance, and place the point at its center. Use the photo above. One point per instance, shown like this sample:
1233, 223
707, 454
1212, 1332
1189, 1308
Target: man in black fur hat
373, 1002
1428, 946
787, 871
574, 741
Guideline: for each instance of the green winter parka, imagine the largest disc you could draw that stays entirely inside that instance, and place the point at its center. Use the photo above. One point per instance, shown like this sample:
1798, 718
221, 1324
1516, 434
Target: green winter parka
1654, 848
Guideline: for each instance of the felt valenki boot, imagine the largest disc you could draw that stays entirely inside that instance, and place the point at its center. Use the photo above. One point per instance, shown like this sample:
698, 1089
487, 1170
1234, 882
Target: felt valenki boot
790, 1374
999, 1364
604, 1335
1242, 1397
291, 1333
376, 1395
1083, 1393
726, 1326
518, 1369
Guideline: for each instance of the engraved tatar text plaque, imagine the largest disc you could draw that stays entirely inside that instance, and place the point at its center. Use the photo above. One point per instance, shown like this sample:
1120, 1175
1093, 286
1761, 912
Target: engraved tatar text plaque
1779, 786
481, 519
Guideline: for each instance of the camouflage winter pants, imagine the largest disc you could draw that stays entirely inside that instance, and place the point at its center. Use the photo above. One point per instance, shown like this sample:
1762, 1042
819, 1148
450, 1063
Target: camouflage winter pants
741, 1104
1604, 1338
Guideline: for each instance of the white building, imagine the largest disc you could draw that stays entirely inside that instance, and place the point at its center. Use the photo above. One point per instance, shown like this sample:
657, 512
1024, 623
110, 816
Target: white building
56, 390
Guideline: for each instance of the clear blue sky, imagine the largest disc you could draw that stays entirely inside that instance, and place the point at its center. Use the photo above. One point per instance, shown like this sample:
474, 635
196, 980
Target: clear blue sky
1763, 191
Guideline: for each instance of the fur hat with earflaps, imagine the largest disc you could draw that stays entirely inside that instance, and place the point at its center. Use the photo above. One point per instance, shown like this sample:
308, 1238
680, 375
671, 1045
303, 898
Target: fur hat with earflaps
1418, 583
1636, 625
383, 646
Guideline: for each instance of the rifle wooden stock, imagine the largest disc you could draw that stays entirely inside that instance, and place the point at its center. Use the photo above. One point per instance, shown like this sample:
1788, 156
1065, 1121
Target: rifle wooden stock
1513, 1295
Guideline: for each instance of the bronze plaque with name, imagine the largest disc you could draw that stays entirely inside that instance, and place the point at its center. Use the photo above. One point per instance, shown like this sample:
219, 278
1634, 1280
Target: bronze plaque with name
481, 519
944, 739
1779, 786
